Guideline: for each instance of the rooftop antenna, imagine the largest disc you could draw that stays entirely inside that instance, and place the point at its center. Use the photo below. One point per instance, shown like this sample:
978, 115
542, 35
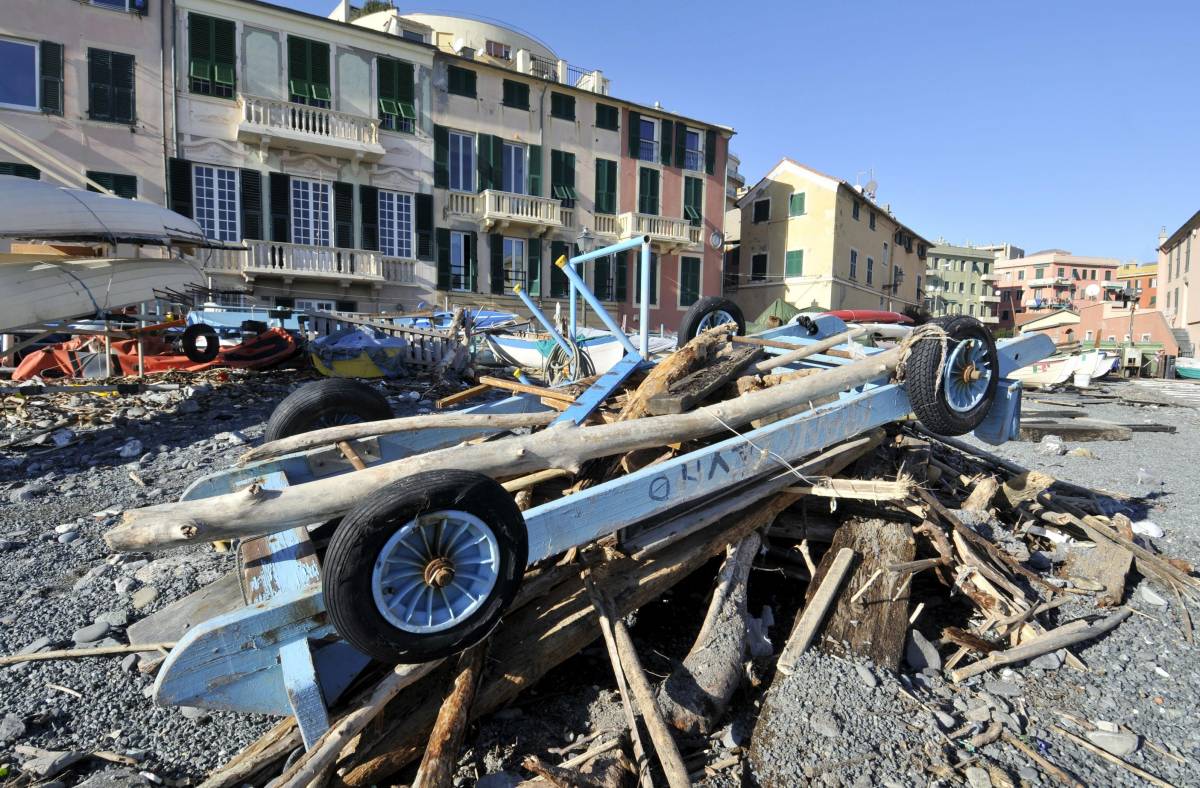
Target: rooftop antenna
871, 187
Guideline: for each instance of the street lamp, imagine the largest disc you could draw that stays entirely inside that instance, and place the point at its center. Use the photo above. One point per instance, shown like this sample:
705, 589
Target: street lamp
585, 242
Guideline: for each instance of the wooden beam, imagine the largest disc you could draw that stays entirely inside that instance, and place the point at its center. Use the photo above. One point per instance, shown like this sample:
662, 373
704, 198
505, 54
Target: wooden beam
524, 388
814, 612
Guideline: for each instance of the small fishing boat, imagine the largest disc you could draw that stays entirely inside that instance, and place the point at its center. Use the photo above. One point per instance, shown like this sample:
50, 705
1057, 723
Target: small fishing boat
1052, 371
532, 349
1186, 367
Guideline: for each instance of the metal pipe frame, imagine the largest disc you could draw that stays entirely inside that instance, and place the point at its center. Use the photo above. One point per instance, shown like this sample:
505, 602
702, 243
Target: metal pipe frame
590, 297
541, 318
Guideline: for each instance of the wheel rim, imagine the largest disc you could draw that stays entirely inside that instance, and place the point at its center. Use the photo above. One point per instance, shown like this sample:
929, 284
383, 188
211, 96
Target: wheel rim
717, 317
337, 418
435, 571
967, 375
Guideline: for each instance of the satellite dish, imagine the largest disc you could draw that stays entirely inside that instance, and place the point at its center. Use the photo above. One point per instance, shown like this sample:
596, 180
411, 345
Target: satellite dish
870, 188
1092, 290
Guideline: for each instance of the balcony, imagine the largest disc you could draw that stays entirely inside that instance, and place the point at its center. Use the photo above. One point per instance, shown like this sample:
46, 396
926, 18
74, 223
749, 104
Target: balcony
671, 234
994, 276
499, 210
562, 72
299, 261
989, 319
990, 299
273, 123
606, 225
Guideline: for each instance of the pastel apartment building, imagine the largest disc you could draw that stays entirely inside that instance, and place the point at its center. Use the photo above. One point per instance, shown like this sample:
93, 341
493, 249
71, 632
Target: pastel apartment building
1141, 278
1180, 305
81, 99
960, 280
817, 241
1053, 279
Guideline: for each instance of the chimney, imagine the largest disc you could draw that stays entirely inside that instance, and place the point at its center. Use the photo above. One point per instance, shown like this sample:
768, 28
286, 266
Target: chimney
342, 12
1162, 235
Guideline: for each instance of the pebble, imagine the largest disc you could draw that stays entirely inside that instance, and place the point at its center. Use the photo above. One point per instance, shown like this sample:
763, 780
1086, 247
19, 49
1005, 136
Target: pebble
1051, 661
52, 763
825, 724
131, 449
979, 714
1005, 689
12, 727
116, 618
65, 527
90, 633
1148, 528
188, 406
26, 493
1149, 596
7, 545
866, 675
946, 721
1119, 744
68, 537
978, 778
919, 653
144, 597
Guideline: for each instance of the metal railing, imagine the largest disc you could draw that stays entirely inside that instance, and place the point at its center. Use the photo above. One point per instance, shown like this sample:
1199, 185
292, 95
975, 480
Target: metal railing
276, 257
543, 68
300, 119
663, 229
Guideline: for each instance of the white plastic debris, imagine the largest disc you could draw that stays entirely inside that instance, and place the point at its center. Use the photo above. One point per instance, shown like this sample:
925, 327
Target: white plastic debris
1148, 528
1150, 596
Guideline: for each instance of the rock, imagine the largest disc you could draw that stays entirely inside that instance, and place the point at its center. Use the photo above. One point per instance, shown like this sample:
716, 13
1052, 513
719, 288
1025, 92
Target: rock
978, 778
12, 727
1148, 528
1081, 452
68, 537
131, 449
944, 720
144, 597
1051, 661
62, 438
116, 618
194, 713
919, 653
35, 646
114, 778
27, 493
1051, 445
91, 633
1005, 689
1119, 744
1086, 583
65, 527
188, 406
1150, 596
52, 763
8, 545
866, 675
979, 714
123, 584
129, 662
825, 724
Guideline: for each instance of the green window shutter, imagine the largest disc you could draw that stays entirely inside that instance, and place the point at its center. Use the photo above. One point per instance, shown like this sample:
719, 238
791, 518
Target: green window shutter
368, 217
51, 76
20, 170
562, 106
602, 279
100, 97
443, 259
123, 88
556, 165
607, 117
689, 280
469, 84
496, 242
460, 81
484, 155
120, 185
343, 215
680, 144
179, 186
319, 71
516, 94
497, 162
668, 137
635, 134
385, 83
796, 204
423, 209
710, 151
281, 207
471, 251
224, 52
621, 277
103, 178
648, 191
794, 263
559, 284
298, 68
533, 271
535, 171
441, 157
200, 46
693, 200
606, 186
405, 90
252, 204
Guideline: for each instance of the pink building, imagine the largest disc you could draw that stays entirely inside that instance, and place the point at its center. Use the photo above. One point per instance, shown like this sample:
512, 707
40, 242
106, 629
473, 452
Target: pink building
1053, 279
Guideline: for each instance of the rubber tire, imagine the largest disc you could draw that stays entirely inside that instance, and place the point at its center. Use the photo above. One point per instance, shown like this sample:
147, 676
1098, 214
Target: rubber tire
689, 326
303, 409
924, 385
349, 561
190, 345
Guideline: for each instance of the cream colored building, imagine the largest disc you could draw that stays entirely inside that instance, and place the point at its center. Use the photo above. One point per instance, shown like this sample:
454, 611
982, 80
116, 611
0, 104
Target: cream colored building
816, 241
1178, 302
82, 95
309, 140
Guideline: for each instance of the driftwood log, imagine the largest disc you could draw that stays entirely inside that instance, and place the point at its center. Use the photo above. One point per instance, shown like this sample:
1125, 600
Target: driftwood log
1067, 635
255, 511
696, 694
437, 766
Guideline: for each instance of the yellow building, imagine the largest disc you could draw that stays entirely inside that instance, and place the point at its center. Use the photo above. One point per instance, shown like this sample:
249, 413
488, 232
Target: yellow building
815, 240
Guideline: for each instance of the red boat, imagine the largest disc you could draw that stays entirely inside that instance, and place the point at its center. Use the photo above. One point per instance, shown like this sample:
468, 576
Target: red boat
84, 357
871, 316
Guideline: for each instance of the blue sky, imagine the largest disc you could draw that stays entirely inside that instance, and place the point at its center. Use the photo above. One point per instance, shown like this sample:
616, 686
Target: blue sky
1064, 123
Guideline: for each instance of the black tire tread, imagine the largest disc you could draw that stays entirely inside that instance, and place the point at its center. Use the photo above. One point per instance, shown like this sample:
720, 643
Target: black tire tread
299, 410
191, 348
346, 569
923, 384
696, 312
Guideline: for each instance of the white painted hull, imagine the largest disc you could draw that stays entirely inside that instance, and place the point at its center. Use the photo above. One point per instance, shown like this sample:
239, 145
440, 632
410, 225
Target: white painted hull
604, 350
1051, 372
39, 291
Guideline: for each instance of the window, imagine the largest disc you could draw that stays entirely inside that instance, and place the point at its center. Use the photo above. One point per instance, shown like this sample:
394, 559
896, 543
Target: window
648, 191
397, 109
1020, 275
514, 168
136, 6
693, 156
648, 139
308, 72
608, 117
462, 162
562, 106
604, 276
120, 185
498, 50
20, 170
854, 211
516, 94
1039, 273
562, 177
1108, 276
19, 65
972, 288
796, 204
871, 220
310, 212
396, 224
606, 186
693, 200
110, 86
871, 272
515, 265
1187, 256
215, 202
762, 211
919, 290
460, 81
758, 268
794, 263
412, 35
460, 263
312, 305
689, 280
853, 263
637, 285
212, 56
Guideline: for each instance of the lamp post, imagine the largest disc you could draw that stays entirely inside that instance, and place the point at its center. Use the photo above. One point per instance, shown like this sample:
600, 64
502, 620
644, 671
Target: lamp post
585, 242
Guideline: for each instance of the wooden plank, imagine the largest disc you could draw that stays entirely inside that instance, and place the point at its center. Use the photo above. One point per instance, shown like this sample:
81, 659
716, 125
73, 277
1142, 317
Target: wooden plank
524, 388
1105, 563
462, 396
684, 394
170, 623
805, 629
303, 691
777, 345
1074, 430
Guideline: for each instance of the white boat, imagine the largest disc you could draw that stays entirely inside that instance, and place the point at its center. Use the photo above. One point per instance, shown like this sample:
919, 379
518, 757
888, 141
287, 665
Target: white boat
530, 349
1186, 367
1106, 362
1049, 372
